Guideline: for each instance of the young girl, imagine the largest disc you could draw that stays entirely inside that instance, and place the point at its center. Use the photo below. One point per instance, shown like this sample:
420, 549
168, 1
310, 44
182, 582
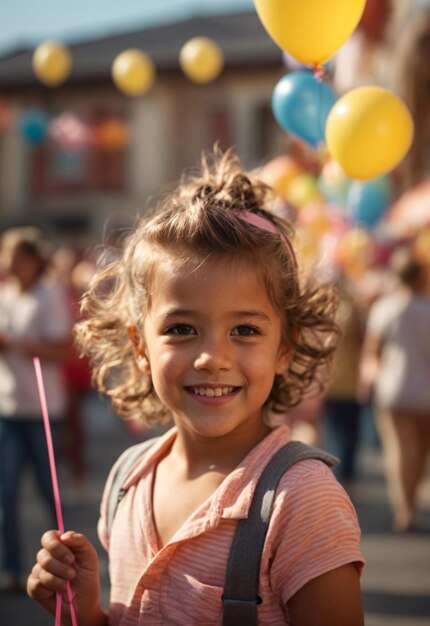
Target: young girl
204, 319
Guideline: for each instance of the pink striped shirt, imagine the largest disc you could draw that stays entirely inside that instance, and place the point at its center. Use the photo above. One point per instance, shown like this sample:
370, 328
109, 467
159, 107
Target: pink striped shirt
313, 530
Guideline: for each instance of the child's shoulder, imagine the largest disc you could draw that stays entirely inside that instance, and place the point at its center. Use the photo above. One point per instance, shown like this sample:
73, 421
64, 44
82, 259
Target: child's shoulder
310, 492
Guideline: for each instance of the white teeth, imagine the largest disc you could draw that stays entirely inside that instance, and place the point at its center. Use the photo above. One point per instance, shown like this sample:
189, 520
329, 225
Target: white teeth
211, 392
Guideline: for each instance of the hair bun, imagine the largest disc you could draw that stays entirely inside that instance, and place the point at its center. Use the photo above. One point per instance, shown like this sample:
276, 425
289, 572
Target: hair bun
222, 181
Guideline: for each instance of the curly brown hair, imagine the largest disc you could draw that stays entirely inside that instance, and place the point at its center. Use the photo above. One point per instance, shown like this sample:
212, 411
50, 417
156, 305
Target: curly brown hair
200, 220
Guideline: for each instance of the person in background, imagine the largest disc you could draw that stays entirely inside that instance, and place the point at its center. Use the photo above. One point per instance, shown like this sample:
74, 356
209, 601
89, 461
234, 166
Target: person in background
204, 317
342, 406
34, 321
395, 369
73, 275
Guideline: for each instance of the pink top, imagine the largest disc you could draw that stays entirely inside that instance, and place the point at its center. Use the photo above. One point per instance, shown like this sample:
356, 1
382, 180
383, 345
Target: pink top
313, 530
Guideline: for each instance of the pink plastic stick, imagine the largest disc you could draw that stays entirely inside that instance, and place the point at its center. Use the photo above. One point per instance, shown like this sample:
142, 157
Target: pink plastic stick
55, 488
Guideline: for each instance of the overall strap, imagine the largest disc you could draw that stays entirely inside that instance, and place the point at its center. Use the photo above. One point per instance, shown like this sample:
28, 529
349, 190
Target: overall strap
130, 458
240, 597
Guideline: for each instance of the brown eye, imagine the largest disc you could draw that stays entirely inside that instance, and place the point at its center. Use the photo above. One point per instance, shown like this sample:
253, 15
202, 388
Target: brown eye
180, 329
245, 331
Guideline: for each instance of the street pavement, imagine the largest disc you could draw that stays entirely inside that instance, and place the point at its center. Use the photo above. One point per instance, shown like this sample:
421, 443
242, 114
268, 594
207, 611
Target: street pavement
395, 583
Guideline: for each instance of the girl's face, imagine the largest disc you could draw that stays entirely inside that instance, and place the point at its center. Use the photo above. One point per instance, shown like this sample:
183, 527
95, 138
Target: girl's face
212, 344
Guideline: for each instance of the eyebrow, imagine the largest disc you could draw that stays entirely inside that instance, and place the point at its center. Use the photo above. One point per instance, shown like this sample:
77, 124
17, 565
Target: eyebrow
248, 313
253, 313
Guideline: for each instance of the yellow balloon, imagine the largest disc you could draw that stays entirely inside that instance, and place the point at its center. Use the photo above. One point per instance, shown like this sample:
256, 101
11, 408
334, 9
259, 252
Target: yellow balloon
369, 130
302, 190
310, 30
52, 63
201, 59
133, 72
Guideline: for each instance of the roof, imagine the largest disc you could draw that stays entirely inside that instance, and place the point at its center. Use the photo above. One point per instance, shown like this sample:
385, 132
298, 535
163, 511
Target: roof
241, 36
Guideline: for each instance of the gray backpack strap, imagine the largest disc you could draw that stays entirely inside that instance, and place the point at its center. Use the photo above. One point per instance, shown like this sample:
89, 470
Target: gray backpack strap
240, 597
117, 492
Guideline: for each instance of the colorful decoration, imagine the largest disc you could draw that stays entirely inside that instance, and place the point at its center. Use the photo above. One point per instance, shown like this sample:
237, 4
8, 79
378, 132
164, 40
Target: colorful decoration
52, 63
69, 132
301, 103
112, 134
315, 218
310, 30
333, 183
302, 190
355, 252
133, 72
201, 59
279, 172
33, 126
367, 202
369, 131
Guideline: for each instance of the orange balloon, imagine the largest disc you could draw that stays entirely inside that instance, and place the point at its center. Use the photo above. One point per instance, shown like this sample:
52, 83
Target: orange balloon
280, 172
113, 134
314, 218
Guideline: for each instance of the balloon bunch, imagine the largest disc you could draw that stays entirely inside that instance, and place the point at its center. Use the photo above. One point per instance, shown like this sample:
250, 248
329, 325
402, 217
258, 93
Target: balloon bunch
67, 130
368, 130
133, 71
365, 134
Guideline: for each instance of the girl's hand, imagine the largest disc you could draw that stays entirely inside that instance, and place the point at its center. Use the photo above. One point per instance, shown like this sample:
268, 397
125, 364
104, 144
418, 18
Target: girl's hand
67, 557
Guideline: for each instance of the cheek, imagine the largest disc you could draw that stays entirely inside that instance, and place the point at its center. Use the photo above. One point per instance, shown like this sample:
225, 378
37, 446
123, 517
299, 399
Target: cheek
167, 364
261, 367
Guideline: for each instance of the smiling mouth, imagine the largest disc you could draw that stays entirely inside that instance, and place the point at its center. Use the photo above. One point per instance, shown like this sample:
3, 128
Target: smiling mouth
212, 392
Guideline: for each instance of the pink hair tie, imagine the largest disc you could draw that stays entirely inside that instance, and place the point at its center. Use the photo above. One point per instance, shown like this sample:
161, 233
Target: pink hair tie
264, 224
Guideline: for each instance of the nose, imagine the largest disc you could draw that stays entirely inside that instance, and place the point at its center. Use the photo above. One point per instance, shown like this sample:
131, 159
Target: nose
214, 355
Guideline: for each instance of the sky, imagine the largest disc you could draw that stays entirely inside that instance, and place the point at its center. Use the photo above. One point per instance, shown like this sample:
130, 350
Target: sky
29, 22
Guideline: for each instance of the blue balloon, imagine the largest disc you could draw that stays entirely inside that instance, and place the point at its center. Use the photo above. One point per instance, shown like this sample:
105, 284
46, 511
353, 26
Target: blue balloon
367, 202
301, 103
33, 126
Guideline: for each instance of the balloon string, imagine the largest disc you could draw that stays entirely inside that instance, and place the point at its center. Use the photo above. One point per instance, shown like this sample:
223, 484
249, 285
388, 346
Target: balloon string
54, 478
319, 71
320, 74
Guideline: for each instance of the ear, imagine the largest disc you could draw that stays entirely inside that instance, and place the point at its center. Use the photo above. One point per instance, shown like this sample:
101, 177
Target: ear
138, 347
284, 357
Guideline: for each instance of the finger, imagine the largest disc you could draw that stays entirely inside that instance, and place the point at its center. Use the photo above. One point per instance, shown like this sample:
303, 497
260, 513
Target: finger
60, 568
44, 597
83, 550
36, 590
52, 543
52, 582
